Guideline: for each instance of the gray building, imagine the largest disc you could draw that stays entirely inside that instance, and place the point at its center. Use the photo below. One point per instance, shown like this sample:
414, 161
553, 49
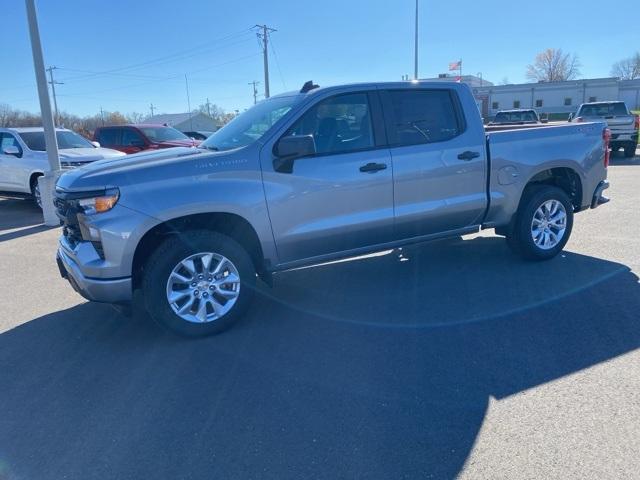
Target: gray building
557, 99
185, 122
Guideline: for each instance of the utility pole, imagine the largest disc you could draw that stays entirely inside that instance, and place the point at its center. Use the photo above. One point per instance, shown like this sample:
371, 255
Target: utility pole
415, 60
102, 115
46, 183
186, 82
53, 83
152, 108
264, 36
208, 107
255, 90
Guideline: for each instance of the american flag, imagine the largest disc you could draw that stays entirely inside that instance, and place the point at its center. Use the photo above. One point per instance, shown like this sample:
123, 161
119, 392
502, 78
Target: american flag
455, 65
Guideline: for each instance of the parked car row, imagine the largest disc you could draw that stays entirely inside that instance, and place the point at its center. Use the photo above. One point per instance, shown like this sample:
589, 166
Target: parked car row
23, 157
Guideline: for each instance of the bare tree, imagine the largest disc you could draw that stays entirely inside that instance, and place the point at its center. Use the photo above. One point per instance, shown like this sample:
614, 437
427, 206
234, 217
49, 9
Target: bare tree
627, 69
136, 117
553, 65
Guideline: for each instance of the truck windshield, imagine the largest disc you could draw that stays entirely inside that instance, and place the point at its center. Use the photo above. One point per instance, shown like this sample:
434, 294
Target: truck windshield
163, 134
251, 125
66, 139
603, 110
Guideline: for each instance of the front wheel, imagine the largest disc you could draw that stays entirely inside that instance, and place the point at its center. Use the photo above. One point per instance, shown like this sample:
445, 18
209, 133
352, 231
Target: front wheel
35, 193
198, 283
543, 223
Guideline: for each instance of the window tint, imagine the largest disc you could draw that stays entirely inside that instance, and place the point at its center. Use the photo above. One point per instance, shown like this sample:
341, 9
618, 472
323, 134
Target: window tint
131, 137
338, 124
8, 140
423, 116
109, 136
65, 138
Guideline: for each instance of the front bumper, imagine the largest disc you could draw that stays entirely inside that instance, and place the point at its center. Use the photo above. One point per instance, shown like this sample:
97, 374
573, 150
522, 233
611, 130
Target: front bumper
117, 290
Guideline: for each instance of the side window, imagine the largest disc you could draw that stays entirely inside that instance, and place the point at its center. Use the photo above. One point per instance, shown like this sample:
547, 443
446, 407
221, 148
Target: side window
338, 124
109, 136
423, 116
131, 138
8, 140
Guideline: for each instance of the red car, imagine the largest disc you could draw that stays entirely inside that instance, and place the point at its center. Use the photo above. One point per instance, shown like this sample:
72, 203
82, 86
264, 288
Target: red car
135, 138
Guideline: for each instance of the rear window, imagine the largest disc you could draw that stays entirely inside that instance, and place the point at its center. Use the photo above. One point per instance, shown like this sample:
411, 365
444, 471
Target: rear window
603, 110
423, 116
109, 136
515, 117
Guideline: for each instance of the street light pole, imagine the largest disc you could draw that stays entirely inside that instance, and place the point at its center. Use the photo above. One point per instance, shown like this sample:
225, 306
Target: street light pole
47, 182
415, 60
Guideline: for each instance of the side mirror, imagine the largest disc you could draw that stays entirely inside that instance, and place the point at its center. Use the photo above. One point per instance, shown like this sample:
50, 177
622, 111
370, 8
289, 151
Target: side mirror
289, 148
96, 144
544, 120
11, 150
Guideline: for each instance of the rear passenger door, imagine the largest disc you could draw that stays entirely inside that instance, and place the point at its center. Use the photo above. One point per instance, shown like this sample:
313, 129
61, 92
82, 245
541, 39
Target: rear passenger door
438, 161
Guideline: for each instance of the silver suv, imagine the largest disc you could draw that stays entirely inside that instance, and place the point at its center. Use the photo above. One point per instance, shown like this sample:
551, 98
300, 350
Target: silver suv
311, 176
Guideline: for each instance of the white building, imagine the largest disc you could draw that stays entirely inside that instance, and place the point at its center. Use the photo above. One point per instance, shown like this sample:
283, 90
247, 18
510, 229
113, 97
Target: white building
556, 98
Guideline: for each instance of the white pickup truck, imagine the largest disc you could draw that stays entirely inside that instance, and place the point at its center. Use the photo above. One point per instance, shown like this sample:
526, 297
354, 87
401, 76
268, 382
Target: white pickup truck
23, 157
623, 124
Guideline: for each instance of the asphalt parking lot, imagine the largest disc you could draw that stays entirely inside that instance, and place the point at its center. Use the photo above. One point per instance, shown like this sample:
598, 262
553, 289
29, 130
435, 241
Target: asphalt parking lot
452, 359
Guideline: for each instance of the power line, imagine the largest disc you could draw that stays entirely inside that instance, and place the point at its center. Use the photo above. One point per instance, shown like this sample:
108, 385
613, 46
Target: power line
160, 60
275, 55
264, 36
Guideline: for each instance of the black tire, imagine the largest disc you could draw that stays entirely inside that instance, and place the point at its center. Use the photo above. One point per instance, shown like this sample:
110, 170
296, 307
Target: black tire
35, 192
630, 151
519, 236
175, 249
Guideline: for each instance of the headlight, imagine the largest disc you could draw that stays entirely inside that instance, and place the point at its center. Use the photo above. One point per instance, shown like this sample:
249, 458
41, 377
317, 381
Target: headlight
101, 204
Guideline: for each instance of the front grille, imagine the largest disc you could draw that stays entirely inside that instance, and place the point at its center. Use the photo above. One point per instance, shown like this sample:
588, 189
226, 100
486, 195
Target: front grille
67, 211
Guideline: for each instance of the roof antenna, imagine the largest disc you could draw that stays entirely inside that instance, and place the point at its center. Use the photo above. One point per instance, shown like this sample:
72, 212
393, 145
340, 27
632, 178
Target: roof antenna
308, 86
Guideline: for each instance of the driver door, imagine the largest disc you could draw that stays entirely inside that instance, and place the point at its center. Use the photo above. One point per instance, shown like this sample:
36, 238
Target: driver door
333, 201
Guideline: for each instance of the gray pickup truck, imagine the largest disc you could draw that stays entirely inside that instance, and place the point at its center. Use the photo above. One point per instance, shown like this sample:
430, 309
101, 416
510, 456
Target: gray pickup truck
623, 124
311, 176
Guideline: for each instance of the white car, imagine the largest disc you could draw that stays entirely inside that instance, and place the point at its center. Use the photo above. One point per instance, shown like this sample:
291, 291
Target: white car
23, 157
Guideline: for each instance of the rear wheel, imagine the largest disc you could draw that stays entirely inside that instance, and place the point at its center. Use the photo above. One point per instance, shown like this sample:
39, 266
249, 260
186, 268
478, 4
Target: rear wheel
630, 151
543, 223
198, 283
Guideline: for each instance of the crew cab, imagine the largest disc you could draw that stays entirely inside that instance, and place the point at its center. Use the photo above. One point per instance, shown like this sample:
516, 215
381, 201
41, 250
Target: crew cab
624, 125
23, 157
312, 176
139, 137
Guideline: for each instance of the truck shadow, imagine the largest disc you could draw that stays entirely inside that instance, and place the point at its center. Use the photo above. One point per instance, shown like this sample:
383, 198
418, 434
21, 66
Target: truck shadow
381, 367
19, 214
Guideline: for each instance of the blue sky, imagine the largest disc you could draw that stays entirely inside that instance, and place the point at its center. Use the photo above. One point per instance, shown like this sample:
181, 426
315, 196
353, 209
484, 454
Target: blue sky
147, 46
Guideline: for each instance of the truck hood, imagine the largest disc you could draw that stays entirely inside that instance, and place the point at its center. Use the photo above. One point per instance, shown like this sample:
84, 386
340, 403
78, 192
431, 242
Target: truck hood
134, 168
85, 155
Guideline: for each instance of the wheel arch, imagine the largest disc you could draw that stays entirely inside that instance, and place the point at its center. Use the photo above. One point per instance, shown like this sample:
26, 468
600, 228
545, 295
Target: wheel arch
230, 224
565, 177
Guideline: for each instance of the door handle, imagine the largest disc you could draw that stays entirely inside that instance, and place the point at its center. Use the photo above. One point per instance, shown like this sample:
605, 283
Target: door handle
373, 167
468, 155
